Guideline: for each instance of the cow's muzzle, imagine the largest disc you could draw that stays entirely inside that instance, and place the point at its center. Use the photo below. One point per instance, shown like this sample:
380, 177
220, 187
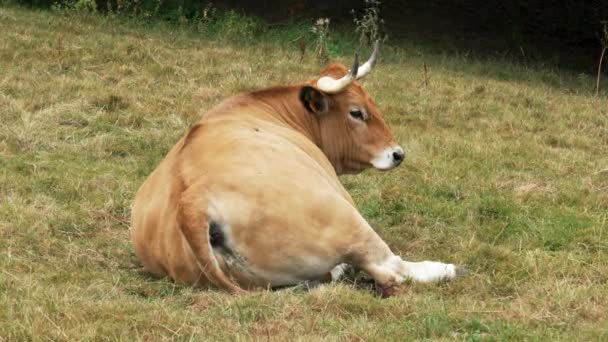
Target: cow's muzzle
389, 158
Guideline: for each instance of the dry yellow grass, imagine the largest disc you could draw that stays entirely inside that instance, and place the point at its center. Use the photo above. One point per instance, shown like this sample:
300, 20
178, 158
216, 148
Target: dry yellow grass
506, 173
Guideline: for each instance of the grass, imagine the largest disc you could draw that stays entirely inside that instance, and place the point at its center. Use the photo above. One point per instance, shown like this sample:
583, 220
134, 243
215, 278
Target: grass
506, 172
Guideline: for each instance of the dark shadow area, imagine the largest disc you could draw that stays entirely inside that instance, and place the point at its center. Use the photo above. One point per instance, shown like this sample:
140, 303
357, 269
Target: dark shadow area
536, 34
355, 279
561, 33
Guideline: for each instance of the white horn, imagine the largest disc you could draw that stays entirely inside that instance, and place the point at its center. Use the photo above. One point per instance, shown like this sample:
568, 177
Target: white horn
367, 66
330, 85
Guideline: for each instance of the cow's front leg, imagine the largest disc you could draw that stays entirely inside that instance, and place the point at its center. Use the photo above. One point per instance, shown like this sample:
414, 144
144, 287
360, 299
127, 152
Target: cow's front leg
371, 254
393, 271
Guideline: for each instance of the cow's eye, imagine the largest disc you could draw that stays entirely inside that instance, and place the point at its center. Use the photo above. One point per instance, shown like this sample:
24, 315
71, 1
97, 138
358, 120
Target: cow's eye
357, 114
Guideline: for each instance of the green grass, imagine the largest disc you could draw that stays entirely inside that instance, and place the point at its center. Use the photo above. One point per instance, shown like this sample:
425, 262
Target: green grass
506, 172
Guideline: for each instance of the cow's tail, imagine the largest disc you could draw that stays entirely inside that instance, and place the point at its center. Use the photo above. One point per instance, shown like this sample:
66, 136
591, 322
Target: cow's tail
195, 225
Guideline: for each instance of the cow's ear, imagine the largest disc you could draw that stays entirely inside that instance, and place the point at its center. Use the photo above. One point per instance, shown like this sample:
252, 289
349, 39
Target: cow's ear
314, 100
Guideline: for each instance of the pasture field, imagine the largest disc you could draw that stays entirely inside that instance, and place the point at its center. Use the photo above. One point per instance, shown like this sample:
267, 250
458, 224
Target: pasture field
506, 172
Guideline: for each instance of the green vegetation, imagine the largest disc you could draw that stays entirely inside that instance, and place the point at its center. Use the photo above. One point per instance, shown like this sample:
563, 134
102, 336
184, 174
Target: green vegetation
506, 172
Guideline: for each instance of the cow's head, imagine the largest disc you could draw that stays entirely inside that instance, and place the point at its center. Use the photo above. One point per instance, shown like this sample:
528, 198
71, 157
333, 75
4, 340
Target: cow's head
354, 135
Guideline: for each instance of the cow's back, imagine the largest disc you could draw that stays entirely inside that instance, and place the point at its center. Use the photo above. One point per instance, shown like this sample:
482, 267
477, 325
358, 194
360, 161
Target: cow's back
252, 149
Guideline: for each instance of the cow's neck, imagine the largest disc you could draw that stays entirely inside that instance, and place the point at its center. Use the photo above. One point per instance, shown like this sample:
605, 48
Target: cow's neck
285, 108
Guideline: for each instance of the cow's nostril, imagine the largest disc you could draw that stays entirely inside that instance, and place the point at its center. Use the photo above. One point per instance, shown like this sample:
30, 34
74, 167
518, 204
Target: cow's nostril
398, 156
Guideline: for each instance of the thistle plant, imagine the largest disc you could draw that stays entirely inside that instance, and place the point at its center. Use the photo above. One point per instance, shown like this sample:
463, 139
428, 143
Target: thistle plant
369, 26
321, 31
604, 43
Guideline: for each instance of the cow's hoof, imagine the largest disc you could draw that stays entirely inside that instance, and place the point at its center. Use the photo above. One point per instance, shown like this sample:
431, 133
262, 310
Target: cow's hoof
385, 291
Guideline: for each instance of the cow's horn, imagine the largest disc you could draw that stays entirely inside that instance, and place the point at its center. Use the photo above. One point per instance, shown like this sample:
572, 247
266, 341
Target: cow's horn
331, 86
367, 66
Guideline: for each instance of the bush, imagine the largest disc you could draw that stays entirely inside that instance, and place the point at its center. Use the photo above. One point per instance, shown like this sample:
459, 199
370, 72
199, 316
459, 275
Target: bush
232, 26
204, 18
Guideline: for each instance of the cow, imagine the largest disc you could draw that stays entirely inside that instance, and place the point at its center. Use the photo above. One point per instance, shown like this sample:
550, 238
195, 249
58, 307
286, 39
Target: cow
250, 197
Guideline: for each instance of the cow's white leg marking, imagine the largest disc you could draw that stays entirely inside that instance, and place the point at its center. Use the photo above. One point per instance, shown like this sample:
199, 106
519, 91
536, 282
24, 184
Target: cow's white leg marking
430, 271
396, 270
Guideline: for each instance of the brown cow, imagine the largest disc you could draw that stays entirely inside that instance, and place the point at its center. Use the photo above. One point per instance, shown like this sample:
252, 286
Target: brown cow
250, 197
